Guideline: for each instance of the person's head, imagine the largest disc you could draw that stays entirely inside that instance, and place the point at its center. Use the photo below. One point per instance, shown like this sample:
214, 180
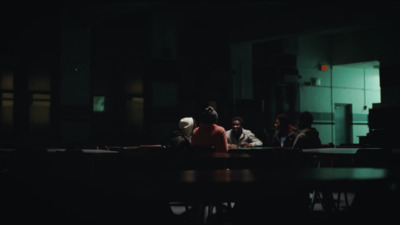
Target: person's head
305, 120
186, 125
209, 115
237, 124
282, 121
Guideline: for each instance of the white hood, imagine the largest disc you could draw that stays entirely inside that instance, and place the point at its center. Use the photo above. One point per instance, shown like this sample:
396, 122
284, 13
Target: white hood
186, 125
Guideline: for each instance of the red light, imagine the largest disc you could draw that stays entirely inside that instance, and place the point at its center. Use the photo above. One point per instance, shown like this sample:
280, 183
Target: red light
324, 68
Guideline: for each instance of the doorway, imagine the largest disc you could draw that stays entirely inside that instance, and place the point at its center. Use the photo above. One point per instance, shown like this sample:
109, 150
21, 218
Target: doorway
357, 84
343, 124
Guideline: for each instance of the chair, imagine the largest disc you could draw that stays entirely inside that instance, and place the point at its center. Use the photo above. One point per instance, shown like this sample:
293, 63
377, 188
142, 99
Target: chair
372, 157
328, 203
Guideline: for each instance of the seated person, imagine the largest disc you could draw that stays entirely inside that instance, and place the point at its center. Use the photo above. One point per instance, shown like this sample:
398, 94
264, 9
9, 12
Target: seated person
240, 137
181, 138
285, 132
208, 134
308, 136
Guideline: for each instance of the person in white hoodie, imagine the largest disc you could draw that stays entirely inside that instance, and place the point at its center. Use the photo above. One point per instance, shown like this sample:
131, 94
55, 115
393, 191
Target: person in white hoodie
181, 138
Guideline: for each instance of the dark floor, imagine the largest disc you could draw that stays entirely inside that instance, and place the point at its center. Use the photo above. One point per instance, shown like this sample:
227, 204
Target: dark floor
318, 210
116, 210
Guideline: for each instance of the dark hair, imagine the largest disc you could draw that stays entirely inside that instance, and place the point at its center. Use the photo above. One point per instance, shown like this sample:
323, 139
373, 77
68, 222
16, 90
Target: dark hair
209, 115
306, 118
283, 119
238, 118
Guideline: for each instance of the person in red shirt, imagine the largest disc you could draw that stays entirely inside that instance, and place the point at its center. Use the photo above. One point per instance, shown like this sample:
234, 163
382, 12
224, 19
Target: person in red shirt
208, 133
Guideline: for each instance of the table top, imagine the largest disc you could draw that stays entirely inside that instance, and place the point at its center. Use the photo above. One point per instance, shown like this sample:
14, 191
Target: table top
270, 175
251, 148
236, 184
171, 176
342, 151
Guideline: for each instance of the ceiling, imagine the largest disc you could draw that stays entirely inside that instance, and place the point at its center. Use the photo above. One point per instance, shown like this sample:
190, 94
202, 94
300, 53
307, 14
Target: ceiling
250, 15
245, 20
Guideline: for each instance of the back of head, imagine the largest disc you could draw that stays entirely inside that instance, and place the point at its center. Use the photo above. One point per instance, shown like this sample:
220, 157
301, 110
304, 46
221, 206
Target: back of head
283, 119
209, 115
305, 119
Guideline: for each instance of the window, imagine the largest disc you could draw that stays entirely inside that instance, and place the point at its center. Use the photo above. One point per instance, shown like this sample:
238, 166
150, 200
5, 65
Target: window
7, 102
98, 103
39, 112
134, 104
39, 86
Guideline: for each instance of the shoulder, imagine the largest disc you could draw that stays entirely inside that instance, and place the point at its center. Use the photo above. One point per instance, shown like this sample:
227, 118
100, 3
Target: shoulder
246, 131
301, 135
176, 133
219, 128
195, 130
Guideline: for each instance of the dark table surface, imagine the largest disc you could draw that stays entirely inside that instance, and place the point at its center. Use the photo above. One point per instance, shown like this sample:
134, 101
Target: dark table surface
182, 176
244, 183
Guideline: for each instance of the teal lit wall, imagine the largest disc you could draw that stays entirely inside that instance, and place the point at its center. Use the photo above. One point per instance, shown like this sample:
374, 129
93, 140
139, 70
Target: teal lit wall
341, 84
319, 91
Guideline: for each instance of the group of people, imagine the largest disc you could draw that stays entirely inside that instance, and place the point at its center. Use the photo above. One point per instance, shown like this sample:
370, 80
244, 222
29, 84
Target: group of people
207, 133
288, 136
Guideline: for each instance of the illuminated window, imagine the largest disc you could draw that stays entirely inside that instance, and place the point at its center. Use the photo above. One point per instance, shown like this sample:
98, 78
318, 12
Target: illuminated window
6, 112
39, 113
135, 113
98, 103
7, 81
7, 101
134, 103
39, 85
134, 85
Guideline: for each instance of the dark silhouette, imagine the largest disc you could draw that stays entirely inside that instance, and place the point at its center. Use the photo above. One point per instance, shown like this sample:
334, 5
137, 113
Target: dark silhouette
181, 137
285, 133
308, 137
208, 134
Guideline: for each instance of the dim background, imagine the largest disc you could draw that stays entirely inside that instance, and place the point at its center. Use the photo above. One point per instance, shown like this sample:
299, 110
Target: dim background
124, 72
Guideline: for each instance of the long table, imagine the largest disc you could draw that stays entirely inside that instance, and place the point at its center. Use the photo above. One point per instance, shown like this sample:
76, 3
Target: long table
237, 184
269, 168
169, 176
331, 151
